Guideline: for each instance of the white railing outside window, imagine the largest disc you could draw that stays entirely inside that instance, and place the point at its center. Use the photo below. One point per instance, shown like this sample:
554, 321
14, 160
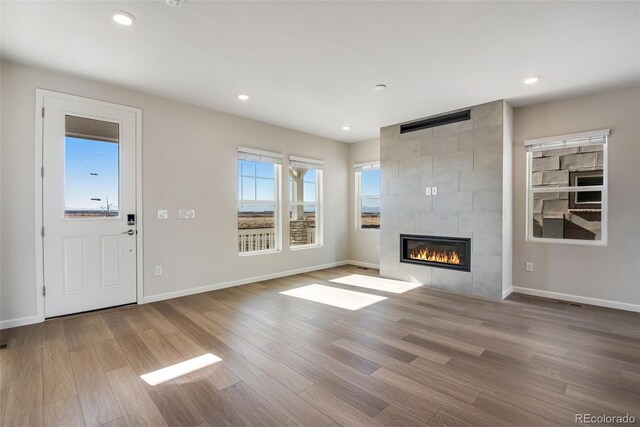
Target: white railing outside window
256, 239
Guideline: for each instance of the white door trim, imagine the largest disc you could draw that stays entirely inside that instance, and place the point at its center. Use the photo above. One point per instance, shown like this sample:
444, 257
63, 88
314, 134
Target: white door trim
40, 95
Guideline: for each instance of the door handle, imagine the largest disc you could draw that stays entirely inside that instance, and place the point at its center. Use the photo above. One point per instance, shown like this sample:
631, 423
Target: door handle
129, 232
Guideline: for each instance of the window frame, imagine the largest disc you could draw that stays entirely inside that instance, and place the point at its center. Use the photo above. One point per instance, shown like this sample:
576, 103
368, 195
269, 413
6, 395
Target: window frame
318, 165
277, 194
358, 169
599, 137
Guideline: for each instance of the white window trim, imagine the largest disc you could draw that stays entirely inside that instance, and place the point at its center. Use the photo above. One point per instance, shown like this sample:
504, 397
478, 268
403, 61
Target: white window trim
318, 204
549, 143
358, 169
277, 192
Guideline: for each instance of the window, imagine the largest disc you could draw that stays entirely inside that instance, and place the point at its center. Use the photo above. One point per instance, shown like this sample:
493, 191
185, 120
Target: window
91, 168
367, 195
567, 188
305, 208
258, 201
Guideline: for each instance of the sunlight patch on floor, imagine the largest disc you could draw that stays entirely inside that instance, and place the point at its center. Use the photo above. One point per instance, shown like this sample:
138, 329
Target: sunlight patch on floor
377, 283
180, 369
336, 297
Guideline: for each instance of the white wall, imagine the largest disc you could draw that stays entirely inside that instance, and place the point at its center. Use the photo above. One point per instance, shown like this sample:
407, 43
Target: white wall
364, 244
189, 161
609, 274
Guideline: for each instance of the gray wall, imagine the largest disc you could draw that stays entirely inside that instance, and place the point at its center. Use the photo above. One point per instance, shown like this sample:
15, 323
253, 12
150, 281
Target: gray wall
465, 161
363, 244
189, 161
609, 273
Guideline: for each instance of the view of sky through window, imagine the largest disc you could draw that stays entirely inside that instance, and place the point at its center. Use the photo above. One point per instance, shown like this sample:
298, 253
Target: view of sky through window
91, 176
255, 183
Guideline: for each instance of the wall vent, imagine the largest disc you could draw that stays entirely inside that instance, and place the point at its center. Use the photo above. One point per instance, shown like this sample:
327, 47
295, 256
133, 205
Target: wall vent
572, 304
431, 122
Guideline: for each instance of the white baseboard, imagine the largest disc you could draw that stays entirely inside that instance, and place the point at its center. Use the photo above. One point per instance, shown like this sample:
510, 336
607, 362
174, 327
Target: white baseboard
229, 284
21, 321
507, 292
363, 264
578, 299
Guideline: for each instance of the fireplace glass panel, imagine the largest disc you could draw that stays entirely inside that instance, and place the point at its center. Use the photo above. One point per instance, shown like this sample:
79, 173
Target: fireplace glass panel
446, 252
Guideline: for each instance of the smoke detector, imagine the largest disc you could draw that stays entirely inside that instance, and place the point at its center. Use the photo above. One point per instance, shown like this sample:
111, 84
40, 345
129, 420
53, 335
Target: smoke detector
174, 3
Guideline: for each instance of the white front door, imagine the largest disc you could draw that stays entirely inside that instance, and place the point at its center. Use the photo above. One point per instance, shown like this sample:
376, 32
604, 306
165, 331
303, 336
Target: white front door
89, 205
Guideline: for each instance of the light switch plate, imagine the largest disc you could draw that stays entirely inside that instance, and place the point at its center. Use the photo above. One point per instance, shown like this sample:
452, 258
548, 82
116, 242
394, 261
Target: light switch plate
528, 266
187, 213
163, 214
428, 191
434, 190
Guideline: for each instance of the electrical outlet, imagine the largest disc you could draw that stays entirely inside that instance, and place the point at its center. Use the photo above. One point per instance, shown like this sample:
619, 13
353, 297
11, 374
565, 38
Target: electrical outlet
428, 191
187, 213
528, 266
378, 249
434, 191
158, 270
163, 214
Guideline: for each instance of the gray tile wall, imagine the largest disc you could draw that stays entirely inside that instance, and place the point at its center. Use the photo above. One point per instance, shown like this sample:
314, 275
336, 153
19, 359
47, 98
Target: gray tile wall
465, 161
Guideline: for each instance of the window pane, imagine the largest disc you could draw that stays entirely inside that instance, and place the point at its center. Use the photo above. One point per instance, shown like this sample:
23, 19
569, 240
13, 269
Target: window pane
309, 192
264, 189
310, 176
302, 186
91, 168
370, 182
564, 167
370, 213
302, 225
568, 215
248, 168
264, 170
256, 227
248, 188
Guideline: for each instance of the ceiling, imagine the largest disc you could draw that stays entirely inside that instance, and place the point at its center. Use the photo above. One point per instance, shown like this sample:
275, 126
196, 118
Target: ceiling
311, 66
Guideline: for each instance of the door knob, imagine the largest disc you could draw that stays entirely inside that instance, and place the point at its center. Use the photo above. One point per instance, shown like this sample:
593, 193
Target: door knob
129, 232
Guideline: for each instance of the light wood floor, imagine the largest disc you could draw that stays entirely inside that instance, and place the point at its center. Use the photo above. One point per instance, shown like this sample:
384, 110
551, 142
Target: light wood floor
425, 357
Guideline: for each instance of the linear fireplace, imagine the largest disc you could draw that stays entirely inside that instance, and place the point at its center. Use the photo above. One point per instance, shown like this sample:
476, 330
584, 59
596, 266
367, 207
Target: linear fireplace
436, 251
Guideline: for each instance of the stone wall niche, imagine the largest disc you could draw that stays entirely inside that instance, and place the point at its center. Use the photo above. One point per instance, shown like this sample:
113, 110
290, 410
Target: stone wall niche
466, 162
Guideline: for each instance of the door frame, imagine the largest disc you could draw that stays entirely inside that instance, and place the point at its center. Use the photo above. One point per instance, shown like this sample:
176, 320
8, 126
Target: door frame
39, 207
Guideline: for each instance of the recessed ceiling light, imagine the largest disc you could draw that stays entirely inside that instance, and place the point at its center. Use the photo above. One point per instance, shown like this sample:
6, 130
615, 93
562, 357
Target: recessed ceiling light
123, 18
380, 87
243, 97
346, 127
531, 80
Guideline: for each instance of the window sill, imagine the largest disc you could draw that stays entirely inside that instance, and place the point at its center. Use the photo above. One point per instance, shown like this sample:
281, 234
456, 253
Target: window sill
367, 229
302, 247
574, 242
253, 253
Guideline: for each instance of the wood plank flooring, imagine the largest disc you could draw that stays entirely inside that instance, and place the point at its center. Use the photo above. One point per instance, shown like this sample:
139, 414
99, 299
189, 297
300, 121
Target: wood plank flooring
425, 357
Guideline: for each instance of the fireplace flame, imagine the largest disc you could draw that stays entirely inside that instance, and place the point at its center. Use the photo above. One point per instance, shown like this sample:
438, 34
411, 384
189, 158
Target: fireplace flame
446, 257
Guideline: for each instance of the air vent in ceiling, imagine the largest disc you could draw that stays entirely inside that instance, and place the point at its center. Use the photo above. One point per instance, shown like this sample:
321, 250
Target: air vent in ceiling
446, 119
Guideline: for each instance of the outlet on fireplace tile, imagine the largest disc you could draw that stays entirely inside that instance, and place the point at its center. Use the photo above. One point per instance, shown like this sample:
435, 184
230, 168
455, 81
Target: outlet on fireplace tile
528, 266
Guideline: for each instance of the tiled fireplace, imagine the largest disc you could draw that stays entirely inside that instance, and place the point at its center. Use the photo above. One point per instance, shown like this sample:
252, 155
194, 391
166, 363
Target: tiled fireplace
446, 200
